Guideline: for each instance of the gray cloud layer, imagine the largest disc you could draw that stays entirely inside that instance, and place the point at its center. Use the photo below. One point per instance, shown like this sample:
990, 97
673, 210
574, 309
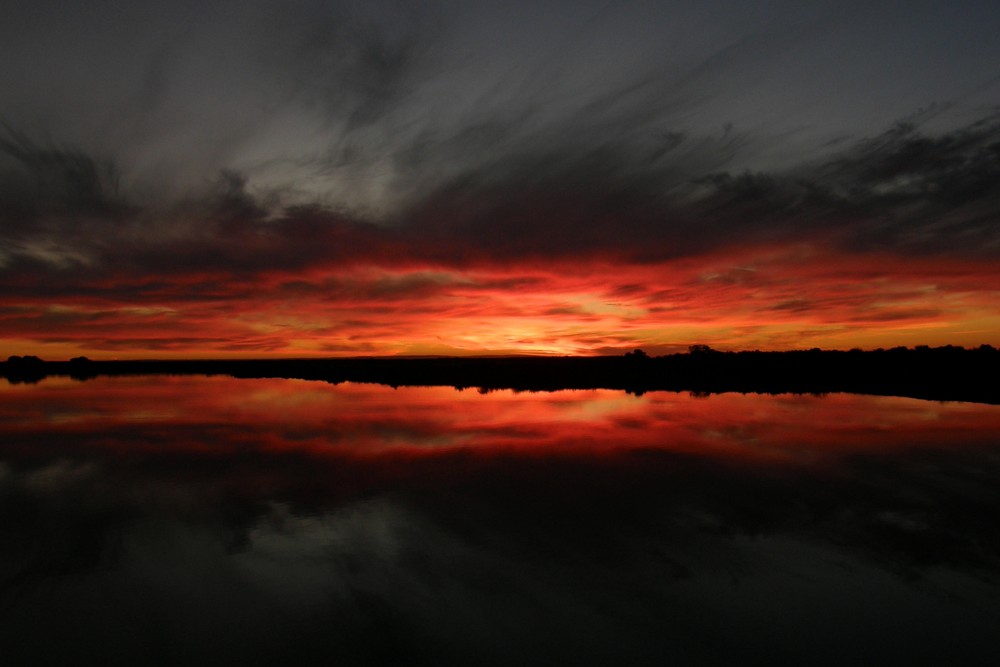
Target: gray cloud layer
247, 136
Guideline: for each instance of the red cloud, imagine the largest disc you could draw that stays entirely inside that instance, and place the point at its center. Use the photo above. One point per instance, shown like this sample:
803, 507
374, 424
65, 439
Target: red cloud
792, 296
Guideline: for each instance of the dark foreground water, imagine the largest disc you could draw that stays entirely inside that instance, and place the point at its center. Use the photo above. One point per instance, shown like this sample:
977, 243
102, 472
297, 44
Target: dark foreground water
197, 520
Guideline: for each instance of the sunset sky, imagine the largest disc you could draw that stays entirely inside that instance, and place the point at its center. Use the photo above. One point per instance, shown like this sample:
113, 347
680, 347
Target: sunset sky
307, 178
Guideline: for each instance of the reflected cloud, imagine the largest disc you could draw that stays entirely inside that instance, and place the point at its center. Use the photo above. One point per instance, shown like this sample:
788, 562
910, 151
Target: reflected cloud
370, 523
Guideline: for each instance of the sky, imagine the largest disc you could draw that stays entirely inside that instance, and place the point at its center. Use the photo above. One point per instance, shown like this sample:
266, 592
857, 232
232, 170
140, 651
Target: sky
326, 178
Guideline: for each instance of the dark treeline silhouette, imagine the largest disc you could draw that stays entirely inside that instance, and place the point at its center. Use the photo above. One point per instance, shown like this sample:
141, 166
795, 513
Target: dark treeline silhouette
941, 373
28, 368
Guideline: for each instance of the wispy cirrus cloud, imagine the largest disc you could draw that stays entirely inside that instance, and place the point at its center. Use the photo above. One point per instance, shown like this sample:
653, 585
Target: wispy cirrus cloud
386, 178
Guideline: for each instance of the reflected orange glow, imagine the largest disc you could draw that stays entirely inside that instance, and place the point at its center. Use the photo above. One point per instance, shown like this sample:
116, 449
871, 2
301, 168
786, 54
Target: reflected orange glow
228, 417
759, 298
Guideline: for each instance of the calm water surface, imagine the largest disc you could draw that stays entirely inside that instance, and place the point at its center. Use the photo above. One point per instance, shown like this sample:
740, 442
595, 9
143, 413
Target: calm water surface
201, 520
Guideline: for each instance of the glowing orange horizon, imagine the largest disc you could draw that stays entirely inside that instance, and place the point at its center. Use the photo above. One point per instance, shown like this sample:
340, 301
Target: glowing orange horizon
775, 298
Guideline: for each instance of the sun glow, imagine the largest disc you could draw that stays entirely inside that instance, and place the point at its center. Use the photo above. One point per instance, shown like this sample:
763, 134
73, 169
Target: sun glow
758, 298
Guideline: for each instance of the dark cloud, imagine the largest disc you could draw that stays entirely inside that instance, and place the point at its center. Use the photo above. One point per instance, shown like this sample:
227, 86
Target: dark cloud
52, 179
317, 135
354, 61
903, 191
930, 192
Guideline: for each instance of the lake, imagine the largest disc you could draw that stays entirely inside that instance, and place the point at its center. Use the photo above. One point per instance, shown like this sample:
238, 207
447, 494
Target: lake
193, 519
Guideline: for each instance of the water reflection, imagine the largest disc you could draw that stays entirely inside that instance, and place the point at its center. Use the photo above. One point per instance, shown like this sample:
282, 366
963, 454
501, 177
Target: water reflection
187, 519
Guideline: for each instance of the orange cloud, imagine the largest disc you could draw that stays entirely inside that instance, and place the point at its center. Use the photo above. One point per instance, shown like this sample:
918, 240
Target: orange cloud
782, 297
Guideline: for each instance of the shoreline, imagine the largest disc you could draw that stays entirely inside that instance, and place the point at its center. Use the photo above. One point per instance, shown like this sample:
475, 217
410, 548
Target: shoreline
945, 374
